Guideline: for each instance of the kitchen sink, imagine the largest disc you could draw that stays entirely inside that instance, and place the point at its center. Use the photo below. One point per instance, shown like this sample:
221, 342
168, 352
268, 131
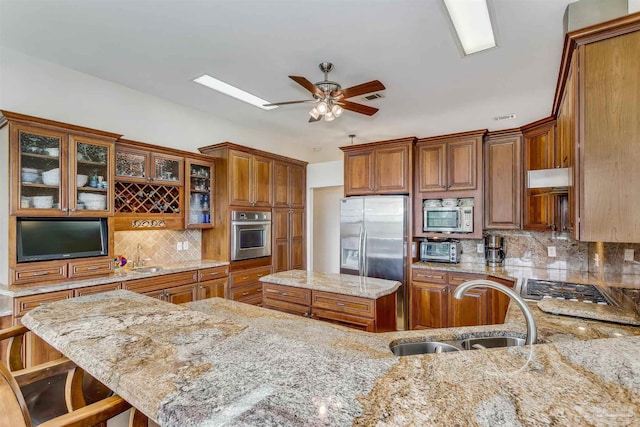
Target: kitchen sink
411, 348
147, 269
480, 343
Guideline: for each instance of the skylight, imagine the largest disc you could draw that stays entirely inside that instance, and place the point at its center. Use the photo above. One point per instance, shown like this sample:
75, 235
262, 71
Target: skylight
472, 23
233, 91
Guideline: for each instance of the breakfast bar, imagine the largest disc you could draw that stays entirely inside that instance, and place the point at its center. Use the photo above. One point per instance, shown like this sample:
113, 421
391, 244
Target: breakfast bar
219, 362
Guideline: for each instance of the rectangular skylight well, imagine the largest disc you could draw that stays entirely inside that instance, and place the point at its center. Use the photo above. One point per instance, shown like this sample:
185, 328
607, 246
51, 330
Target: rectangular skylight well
233, 91
472, 23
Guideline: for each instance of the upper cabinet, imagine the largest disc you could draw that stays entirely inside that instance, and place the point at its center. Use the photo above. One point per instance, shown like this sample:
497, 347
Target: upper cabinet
250, 179
199, 193
502, 180
378, 168
289, 185
59, 169
135, 164
448, 163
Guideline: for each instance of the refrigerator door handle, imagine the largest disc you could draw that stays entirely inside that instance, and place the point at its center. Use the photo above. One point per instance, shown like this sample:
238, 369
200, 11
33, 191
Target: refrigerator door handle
365, 267
360, 249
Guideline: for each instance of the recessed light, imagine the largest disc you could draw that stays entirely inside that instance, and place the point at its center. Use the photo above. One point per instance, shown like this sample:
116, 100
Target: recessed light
472, 23
227, 89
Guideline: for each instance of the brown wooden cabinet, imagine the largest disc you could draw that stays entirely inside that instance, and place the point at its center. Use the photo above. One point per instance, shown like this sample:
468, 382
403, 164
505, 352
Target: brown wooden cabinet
288, 251
378, 168
250, 179
289, 185
447, 164
502, 180
245, 285
372, 315
55, 168
177, 288
432, 304
213, 282
539, 153
199, 193
134, 163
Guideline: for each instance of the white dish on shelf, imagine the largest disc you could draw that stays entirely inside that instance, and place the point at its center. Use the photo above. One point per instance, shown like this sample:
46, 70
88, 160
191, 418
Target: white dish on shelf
81, 180
42, 202
29, 175
92, 197
51, 177
52, 151
95, 206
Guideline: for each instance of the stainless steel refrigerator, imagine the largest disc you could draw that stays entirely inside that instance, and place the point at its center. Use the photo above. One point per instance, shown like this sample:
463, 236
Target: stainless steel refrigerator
373, 242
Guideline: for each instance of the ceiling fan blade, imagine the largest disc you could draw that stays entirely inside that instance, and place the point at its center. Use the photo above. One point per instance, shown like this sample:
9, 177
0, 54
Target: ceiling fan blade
361, 89
275, 104
307, 85
358, 108
312, 120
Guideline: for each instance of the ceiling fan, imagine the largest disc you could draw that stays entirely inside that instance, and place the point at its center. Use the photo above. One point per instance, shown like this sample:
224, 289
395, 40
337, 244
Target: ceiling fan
330, 98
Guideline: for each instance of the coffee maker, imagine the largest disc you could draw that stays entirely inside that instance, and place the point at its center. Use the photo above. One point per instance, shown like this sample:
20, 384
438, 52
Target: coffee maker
494, 250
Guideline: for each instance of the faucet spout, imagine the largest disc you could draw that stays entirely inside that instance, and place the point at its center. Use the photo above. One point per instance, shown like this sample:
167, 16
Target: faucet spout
532, 330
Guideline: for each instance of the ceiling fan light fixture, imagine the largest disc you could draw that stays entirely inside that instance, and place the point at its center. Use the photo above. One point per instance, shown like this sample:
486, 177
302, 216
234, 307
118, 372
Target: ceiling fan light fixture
329, 117
314, 113
322, 107
336, 110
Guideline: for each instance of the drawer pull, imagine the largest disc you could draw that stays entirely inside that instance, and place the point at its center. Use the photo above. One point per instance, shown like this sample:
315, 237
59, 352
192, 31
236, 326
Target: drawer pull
260, 274
284, 294
245, 277
214, 273
43, 273
244, 294
340, 304
92, 268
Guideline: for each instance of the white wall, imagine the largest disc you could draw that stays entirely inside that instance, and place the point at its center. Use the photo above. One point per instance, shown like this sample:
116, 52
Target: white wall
320, 175
38, 88
326, 229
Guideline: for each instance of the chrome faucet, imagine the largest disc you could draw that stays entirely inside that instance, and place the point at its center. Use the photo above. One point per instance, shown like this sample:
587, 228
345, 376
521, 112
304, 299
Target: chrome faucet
139, 262
532, 330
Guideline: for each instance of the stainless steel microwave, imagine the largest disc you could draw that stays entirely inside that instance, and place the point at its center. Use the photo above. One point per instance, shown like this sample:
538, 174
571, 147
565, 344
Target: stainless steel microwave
453, 219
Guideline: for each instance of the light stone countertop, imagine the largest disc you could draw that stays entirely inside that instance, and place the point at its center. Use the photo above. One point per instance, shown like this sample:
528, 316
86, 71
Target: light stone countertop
345, 284
123, 275
219, 362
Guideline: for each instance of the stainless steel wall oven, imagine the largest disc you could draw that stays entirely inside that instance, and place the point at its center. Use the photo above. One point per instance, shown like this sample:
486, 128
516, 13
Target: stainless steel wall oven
250, 235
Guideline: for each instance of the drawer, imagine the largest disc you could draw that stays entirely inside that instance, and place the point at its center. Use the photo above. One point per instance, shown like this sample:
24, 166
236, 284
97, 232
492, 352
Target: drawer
90, 290
343, 319
286, 307
90, 268
456, 279
286, 293
213, 273
160, 282
431, 276
38, 273
247, 276
22, 305
249, 293
344, 304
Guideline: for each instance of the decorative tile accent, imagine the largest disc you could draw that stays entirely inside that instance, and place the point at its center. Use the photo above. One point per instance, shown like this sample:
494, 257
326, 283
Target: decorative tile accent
159, 245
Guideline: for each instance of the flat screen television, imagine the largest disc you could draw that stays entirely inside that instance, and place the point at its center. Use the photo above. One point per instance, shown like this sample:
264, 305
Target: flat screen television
44, 239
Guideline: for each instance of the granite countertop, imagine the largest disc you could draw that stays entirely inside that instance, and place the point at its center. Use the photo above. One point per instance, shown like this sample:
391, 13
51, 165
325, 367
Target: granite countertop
215, 362
345, 284
125, 274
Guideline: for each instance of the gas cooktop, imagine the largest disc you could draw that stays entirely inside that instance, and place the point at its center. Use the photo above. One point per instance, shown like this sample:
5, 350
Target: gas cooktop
539, 289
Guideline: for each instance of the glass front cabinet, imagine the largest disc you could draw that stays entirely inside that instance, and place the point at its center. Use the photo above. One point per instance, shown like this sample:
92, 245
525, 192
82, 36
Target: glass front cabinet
60, 174
137, 165
199, 188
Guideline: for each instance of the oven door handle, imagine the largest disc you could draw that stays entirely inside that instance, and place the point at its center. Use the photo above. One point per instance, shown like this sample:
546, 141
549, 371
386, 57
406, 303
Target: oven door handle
235, 223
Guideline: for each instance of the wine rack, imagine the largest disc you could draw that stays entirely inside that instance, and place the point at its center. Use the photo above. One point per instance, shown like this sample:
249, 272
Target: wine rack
138, 198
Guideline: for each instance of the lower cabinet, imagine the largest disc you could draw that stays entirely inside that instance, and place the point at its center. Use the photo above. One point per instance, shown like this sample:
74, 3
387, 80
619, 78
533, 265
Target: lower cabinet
433, 304
366, 314
177, 288
245, 285
213, 282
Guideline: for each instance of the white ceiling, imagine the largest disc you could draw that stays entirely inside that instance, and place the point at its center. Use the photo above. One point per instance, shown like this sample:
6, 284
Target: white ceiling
158, 47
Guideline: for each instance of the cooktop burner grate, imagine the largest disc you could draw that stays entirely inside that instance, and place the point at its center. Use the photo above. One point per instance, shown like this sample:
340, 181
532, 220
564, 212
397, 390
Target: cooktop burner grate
539, 289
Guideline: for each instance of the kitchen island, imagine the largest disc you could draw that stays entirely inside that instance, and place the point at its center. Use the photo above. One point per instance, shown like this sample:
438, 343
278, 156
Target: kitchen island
217, 362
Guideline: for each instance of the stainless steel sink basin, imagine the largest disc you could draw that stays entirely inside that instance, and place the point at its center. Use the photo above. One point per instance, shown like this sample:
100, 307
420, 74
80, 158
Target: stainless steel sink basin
481, 343
147, 269
410, 348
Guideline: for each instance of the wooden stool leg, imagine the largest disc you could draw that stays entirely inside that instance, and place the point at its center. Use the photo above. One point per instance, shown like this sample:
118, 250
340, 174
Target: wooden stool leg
138, 419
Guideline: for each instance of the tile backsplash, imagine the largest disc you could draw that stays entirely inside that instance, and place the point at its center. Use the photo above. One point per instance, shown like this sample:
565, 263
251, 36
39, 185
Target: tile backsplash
159, 245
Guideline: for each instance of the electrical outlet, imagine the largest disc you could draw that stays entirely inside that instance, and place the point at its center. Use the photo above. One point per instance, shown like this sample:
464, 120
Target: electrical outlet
185, 245
551, 251
629, 255
179, 246
480, 248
